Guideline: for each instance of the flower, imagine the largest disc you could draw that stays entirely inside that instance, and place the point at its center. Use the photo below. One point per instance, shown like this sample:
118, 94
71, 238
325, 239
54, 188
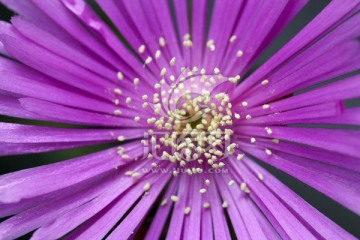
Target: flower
187, 124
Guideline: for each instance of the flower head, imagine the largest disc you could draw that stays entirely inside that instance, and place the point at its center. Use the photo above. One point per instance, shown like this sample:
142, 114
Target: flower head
172, 89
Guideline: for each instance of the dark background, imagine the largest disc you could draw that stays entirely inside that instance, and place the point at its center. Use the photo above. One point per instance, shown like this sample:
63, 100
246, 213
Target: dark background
333, 210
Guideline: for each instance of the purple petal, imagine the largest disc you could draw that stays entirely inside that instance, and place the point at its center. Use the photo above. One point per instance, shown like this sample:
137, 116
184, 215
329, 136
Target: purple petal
308, 214
129, 65
285, 223
128, 226
334, 13
17, 133
10, 106
33, 218
221, 231
48, 41
162, 213
177, 216
235, 212
123, 193
331, 109
100, 224
199, 14
322, 155
20, 185
192, 222
342, 141
59, 113
250, 41
350, 116
337, 183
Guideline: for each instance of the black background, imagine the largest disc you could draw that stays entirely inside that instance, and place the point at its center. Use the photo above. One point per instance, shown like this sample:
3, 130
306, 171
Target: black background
327, 206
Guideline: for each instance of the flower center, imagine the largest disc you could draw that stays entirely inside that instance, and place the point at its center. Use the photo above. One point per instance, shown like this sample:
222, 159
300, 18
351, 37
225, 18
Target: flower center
192, 122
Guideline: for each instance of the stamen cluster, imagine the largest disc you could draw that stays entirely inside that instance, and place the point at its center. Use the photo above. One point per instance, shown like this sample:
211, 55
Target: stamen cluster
191, 126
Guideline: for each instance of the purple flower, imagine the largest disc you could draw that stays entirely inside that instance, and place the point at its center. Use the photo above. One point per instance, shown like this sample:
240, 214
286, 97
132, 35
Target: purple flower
171, 94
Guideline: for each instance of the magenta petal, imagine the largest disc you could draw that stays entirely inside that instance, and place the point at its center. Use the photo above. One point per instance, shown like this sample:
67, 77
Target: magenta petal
235, 212
101, 223
59, 113
162, 213
323, 155
318, 175
330, 16
10, 106
128, 226
17, 133
343, 141
221, 231
177, 217
62, 225
308, 214
193, 221
4, 28
199, 11
33, 218
20, 185
350, 116
283, 220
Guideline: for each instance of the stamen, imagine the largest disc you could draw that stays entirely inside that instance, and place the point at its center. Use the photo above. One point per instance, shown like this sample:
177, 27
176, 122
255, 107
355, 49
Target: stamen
157, 54
268, 152
147, 187
120, 76
174, 198
118, 91
232, 38
265, 82
162, 42
121, 138
206, 205
172, 61
240, 156
128, 173
117, 112
231, 182
135, 175
244, 188
268, 130
163, 72
239, 53
141, 49
266, 106
164, 202
203, 190
188, 43
211, 45
148, 60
